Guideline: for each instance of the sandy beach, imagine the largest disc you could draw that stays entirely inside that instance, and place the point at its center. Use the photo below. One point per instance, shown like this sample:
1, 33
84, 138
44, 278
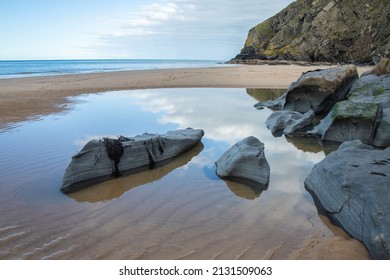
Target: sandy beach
28, 98
24, 98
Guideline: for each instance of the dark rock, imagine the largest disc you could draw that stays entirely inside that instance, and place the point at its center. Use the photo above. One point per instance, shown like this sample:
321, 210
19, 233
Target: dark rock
364, 115
315, 90
319, 90
245, 162
382, 135
349, 121
349, 31
352, 185
277, 103
99, 159
288, 122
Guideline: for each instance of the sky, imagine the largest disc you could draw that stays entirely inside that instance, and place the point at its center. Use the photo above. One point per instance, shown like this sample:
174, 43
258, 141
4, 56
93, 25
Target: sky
132, 29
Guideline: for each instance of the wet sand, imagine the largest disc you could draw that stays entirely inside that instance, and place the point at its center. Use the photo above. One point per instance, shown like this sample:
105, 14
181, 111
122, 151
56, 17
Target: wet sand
22, 98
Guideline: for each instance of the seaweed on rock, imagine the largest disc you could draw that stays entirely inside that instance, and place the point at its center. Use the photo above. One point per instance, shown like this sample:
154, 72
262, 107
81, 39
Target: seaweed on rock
115, 151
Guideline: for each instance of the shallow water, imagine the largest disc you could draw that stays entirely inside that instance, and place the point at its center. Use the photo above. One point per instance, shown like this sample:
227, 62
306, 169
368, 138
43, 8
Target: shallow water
179, 211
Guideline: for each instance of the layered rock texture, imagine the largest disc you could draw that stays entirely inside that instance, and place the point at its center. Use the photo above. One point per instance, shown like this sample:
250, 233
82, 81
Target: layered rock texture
351, 108
350, 31
101, 158
352, 185
245, 162
364, 115
288, 122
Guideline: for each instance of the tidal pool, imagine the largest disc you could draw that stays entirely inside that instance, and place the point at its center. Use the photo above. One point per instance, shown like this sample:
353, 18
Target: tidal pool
179, 211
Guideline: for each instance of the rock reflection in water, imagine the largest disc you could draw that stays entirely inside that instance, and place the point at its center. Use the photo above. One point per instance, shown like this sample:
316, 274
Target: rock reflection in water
246, 191
116, 187
264, 94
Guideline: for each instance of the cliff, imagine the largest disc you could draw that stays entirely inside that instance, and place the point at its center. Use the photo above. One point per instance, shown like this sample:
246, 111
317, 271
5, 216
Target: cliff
345, 31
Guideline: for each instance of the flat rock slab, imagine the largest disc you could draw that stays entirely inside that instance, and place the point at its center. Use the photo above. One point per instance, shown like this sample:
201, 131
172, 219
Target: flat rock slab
245, 162
352, 185
101, 158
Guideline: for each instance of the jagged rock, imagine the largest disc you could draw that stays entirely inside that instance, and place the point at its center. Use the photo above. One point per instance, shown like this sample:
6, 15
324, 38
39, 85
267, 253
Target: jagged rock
349, 31
100, 158
245, 162
288, 121
352, 185
364, 115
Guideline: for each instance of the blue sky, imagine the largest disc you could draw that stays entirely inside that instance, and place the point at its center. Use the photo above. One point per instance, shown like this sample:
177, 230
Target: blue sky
170, 29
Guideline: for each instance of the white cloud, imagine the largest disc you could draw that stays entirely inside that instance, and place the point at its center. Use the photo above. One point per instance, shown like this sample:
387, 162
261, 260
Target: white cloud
189, 28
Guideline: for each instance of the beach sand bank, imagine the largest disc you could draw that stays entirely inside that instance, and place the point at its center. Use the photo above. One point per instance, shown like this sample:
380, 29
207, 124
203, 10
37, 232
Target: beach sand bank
24, 98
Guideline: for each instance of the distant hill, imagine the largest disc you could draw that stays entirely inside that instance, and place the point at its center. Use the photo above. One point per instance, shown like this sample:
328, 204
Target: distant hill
350, 31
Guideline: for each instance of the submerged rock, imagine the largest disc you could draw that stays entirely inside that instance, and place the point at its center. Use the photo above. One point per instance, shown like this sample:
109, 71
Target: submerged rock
245, 162
288, 122
101, 158
352, 185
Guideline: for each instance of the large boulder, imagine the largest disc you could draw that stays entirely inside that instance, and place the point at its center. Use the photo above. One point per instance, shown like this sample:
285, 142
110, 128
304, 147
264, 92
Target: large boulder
288, 122
101, 158
245, 162
349, 121
319, 90
352, 185
316, 90
364, 115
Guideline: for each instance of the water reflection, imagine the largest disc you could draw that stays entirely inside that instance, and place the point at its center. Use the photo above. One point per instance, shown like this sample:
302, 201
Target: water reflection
115, 188
247, 191
181, 210
264, 94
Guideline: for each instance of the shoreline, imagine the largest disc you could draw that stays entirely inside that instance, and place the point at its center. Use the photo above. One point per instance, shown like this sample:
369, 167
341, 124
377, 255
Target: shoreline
25, 98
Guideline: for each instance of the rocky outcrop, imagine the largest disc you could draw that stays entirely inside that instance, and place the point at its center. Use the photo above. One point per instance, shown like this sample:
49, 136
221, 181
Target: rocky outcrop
364, 115
349, 31
245, 162
317, 90
382, 68
99, 159
349, 121
352, 185
288, 122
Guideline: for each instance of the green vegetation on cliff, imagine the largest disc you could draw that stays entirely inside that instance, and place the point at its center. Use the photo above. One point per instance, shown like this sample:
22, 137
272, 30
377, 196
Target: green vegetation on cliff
323, 30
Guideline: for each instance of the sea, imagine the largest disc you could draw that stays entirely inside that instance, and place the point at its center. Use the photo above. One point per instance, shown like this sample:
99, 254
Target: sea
30, 68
